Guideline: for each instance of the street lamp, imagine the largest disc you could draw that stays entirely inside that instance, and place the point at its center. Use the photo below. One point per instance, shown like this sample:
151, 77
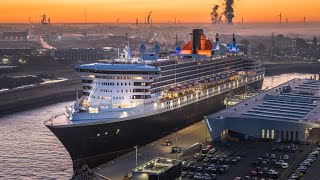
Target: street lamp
136, 147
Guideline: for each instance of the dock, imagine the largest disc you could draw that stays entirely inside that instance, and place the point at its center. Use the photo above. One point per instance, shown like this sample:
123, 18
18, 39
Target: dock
186, 137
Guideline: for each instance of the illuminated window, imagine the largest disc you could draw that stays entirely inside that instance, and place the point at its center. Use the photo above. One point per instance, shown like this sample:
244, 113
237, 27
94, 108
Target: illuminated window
268, 134
272, 134
262, 133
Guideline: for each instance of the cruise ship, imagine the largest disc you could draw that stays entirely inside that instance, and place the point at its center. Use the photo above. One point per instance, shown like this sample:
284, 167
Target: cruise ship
132, 101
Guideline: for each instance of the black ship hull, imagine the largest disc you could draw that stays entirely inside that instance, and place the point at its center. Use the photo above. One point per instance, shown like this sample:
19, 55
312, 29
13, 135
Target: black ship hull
97, 144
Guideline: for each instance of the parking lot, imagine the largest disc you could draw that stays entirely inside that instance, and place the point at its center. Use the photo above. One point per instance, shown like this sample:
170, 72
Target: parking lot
246, 160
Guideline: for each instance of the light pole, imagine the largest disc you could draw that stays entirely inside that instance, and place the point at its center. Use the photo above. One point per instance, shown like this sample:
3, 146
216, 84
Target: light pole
176, 143
136, 147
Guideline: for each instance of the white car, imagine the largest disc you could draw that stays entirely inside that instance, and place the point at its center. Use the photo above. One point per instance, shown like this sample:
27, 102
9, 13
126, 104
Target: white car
285, 165
305, 164
302, 168
310, 160
285, 157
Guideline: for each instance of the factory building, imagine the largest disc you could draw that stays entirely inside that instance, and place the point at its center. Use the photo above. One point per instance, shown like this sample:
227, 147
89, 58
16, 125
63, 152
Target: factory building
158, 169
14, 36
288, 112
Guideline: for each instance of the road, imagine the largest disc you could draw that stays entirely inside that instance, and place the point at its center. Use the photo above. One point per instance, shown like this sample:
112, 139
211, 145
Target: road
115, 170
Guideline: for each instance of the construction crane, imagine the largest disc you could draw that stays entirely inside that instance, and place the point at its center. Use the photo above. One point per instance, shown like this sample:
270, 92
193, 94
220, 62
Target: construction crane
149, 17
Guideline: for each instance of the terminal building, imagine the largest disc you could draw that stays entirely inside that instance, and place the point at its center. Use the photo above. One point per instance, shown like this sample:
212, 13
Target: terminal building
158, 169
288, 112
14, 36
75, 54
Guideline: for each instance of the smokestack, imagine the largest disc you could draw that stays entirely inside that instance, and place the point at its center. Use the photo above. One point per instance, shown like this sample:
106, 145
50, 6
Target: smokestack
229, 11
217, 42
196, 36
304, 20
242, 20
280, 18
137, 22
145, 20
49, 21
234, 44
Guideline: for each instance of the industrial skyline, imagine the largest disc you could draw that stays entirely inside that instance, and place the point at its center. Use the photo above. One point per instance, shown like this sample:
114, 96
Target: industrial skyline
126, 11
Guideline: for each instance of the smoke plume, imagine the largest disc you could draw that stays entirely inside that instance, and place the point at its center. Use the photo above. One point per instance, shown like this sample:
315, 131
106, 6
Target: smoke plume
229, 11
215, 15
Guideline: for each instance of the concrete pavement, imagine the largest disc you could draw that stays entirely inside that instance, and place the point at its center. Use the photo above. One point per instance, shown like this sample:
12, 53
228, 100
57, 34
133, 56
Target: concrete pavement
115, 170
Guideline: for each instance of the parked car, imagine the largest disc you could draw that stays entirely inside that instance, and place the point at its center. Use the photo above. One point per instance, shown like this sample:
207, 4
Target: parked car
305, 163
183, 174
197, 176
205, 150
199, 169
206, 159
253, 173
285, 165
212, 151
221, 171
176, 149
225, 167
272, 156
285, 157
190, 174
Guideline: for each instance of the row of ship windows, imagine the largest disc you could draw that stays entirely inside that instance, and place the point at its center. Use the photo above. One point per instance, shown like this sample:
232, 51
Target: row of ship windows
117, 72
121, 97
183, 78
125, 90
202, 64
122, 84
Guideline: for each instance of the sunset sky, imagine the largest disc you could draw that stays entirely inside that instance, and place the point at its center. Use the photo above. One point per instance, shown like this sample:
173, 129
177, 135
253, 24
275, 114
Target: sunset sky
189, 11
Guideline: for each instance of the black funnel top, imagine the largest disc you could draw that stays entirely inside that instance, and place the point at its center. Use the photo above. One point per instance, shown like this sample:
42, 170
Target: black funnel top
196, 35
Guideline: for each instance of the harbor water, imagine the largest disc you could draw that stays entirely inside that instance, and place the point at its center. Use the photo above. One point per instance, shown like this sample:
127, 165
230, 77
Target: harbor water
28, 150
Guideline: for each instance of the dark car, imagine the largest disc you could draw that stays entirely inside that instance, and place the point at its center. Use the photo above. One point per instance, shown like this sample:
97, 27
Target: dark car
167, 143
234, 161
205, 150
226, 161
214, 159
176, 149
253, 173
244, 154
221, 171
192, 168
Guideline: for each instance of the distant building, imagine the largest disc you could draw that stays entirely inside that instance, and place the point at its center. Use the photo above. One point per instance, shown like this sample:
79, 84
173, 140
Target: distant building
14, 36
76, 54
158, 169
289, 112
